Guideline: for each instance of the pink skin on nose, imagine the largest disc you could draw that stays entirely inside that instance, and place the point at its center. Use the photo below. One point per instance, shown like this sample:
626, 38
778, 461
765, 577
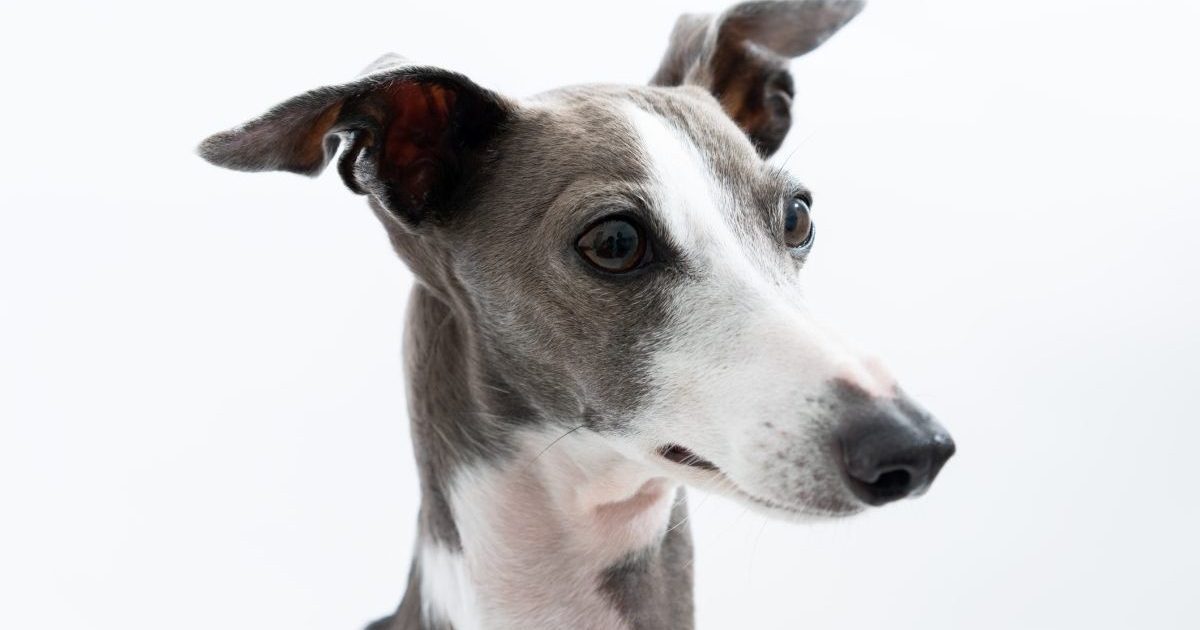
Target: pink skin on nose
871, 376
862, 370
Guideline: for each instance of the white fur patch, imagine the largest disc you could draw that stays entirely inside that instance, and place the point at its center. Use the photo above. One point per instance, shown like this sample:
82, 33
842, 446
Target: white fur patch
691, 201
447, 595
539, 532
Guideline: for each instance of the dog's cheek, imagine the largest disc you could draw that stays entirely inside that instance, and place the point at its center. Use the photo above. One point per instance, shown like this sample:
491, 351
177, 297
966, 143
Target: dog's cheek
581, 354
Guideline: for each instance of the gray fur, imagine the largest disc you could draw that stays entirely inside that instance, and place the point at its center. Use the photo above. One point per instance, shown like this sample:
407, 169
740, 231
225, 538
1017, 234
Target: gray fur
653, 588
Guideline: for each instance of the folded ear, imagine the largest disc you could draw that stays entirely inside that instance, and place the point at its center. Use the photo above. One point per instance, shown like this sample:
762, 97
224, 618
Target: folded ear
412, 133
741, 56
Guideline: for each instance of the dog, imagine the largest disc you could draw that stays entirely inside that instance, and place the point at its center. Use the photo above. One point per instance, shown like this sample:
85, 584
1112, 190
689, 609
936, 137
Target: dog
606, 310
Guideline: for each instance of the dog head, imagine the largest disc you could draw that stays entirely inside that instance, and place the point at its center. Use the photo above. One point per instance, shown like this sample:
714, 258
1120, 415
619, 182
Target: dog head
628, 258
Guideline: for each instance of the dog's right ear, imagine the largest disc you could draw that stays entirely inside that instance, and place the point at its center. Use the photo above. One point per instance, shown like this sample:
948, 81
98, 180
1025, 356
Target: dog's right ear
741, 56
413, 132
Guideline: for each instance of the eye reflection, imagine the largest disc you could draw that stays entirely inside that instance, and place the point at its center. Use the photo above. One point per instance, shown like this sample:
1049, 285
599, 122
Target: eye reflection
614, 245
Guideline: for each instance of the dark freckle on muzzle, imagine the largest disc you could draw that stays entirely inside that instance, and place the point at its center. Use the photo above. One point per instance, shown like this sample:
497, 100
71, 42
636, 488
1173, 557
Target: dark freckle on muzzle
890, 448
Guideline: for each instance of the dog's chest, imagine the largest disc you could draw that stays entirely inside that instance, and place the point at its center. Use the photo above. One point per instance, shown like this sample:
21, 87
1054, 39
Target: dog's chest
540, 536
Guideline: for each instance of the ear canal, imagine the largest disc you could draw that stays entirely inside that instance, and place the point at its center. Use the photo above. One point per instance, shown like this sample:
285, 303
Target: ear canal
412, 131
741, 57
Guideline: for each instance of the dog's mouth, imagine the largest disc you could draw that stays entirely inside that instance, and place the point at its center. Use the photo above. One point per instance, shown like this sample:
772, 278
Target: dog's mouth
686, 457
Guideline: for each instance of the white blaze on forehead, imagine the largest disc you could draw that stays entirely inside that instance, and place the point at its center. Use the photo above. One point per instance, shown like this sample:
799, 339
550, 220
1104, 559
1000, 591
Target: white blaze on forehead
736, 294
691, 200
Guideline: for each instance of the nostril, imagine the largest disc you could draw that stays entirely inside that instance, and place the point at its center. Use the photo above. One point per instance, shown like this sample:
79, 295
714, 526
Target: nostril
891, 483
877, 485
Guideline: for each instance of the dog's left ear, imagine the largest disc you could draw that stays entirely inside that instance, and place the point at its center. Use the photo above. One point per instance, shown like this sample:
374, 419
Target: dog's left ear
741, 57
413, 134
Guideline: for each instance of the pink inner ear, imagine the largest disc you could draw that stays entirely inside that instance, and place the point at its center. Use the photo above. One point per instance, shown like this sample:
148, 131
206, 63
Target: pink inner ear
418, 147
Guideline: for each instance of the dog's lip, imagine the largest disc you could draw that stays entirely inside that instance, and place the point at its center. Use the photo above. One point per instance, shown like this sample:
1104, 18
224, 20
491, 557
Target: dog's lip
685, 457
774, 505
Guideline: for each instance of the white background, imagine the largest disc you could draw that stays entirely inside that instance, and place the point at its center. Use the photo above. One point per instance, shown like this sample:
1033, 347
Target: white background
202, 416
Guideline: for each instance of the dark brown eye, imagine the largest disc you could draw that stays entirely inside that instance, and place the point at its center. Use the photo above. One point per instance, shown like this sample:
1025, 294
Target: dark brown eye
797, 224
615, 245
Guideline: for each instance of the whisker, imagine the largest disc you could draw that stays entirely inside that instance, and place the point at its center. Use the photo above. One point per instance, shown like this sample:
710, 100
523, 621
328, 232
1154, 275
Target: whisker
688, 517
783, 164
549, 446
496, 389
754, 549
723, 532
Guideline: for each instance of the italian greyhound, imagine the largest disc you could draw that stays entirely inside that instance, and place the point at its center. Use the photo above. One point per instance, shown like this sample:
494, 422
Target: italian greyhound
606, 309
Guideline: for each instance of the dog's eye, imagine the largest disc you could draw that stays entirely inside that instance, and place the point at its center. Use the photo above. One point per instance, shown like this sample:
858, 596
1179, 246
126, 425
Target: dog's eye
797, 224
615, 245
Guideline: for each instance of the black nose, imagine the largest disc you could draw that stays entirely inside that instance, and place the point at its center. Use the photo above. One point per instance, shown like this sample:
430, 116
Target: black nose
889, 456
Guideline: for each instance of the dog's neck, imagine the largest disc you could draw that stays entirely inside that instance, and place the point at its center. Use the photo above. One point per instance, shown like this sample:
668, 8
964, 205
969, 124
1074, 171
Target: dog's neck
524, 525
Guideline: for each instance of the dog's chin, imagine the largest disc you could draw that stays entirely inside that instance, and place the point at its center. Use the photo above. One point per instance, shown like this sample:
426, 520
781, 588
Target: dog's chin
805, 510
688, 468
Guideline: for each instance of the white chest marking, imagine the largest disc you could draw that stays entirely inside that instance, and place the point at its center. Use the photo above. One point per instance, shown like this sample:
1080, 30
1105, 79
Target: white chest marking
537, 537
